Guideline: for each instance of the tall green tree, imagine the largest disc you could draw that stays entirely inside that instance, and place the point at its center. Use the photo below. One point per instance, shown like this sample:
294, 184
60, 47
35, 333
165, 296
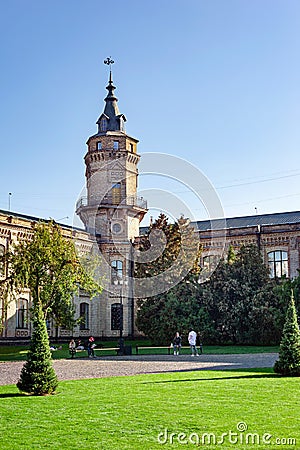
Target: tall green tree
240, 300
288, 363
48, 265
174, 252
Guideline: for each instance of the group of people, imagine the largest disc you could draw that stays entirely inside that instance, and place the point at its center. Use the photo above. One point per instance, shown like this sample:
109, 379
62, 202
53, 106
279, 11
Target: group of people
194, 340
90, 345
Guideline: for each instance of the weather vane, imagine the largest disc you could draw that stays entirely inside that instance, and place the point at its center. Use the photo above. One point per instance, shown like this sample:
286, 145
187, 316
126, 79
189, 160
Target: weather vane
109, 62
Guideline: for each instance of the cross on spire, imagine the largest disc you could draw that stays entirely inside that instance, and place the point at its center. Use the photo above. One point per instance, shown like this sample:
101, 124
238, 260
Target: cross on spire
109, 61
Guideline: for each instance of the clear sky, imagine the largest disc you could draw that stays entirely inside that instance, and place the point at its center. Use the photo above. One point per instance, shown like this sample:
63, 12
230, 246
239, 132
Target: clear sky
214, 82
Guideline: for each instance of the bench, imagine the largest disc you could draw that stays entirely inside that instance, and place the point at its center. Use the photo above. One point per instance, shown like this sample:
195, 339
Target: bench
169, 348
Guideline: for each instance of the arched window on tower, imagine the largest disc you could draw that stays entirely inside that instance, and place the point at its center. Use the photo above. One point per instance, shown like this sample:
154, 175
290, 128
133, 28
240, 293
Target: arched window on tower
278, 264
22, 313
84, 316
116, 270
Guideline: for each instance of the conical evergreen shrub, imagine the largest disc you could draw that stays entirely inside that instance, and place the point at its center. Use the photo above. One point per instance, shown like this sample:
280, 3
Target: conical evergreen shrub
38, 376
288, 363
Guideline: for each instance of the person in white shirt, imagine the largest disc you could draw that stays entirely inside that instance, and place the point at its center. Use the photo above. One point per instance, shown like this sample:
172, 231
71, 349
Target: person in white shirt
192, 341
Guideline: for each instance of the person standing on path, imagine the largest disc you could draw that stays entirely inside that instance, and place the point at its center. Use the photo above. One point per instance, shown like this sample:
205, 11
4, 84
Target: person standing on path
192, 341
199, 343
90, 347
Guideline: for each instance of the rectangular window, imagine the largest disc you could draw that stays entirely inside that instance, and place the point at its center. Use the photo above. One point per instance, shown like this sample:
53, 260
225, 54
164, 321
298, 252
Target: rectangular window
116, 271
99, 146
84, 316
116, 193
22, 313
116, 145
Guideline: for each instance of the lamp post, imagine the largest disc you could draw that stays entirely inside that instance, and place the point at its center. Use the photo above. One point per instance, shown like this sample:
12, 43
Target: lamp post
120, 282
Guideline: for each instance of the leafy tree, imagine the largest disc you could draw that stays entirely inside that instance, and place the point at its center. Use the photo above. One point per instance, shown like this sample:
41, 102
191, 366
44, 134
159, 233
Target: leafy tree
240, 300
174, 252
288, 363
171, 250
47, 264
236, 305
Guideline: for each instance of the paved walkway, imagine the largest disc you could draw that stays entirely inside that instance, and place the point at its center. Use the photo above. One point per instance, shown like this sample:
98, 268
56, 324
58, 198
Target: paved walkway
111, 366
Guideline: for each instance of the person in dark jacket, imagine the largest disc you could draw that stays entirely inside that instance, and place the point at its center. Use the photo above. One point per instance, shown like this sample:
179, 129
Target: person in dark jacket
199, 343
177, 343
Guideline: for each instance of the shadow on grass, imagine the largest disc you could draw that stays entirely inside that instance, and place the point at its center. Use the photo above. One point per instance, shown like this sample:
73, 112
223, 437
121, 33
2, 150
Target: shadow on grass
258, 374
13, 394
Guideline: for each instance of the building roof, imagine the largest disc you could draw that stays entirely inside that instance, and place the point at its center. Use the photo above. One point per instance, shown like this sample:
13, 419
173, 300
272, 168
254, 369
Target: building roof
115, 120
37, 219
248, 221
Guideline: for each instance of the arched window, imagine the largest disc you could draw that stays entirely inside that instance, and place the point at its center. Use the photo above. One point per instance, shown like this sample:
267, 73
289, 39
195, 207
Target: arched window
84, 316
116, 270
116, 316
22, 313
278, 263
2, 264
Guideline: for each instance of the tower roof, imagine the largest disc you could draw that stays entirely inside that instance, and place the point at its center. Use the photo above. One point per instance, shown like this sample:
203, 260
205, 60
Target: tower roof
111, 119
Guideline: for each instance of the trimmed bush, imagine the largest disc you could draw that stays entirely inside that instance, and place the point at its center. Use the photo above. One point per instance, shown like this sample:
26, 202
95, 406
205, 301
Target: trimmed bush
38, 376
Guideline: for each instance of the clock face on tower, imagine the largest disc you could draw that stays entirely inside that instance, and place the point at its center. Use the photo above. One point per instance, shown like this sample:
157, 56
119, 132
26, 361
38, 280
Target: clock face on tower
116, 228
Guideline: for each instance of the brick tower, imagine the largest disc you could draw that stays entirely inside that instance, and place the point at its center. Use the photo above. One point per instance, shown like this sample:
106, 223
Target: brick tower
111, 213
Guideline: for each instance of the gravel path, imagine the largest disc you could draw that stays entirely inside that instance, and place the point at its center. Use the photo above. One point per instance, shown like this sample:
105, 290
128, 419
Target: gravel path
80, 368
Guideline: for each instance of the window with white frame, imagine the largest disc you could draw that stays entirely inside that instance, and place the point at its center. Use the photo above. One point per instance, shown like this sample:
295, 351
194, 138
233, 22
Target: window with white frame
278, 263
116, 270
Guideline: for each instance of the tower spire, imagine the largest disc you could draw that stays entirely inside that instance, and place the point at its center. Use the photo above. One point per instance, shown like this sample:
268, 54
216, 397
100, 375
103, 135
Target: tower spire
111, 119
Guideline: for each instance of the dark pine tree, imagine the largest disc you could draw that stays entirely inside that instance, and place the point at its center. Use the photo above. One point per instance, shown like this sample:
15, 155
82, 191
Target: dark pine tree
38, 376
288, 363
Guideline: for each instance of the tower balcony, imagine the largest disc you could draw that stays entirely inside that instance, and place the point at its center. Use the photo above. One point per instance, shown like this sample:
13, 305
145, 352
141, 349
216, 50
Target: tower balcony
110, 200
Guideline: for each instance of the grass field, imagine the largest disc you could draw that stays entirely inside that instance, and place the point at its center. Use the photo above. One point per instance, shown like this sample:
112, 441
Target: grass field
18, 352
132, 412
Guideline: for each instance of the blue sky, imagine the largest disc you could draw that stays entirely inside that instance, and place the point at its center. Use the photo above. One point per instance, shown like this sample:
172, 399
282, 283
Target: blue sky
215, 82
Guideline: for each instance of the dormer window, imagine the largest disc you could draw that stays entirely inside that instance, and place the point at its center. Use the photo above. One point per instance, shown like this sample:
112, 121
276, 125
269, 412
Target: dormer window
103, 124
116, 145
99, 145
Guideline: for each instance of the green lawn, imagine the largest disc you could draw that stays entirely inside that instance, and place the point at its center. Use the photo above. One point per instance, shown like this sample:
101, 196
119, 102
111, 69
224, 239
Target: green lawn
131, 412
18, 352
